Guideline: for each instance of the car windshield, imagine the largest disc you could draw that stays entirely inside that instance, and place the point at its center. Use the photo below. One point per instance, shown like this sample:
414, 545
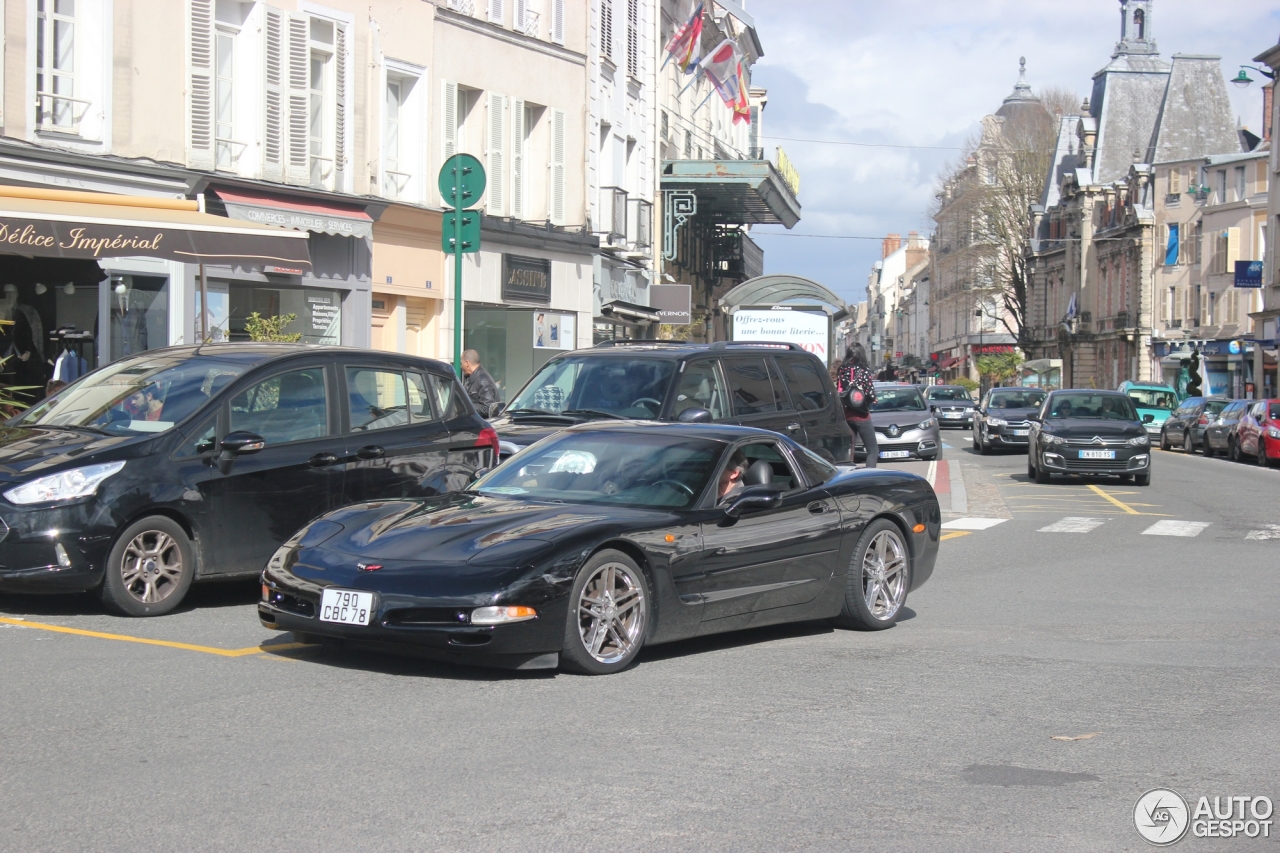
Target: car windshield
1152, 398
898, 399
949, 393
627, 388
135, 395
1082, 404
607, 468
1015, 399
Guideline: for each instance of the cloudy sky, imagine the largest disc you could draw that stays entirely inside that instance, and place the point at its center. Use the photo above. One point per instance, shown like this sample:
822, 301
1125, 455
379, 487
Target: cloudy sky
920, 74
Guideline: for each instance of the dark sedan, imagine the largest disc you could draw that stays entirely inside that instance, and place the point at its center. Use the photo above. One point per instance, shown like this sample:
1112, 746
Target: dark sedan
1001, 418
1220, 434
605, 537
1185, 427
1089, 432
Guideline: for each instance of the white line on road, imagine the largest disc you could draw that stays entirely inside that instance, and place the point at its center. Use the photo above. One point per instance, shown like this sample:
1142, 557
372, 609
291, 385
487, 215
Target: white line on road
1074, 524
932, 473
1176, 528
973, 523
1272, 532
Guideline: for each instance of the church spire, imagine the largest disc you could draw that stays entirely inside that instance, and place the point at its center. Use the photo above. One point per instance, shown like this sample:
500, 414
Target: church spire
1136, 37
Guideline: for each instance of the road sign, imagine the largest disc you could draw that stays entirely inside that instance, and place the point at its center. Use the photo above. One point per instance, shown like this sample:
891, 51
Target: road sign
469, 231
461, 190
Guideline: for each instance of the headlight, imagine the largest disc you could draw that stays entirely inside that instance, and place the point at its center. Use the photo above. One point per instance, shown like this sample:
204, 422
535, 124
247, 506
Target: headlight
64, 485
502, 615
1049, 438
997, 422
1273, 432
926, 424
1139, 441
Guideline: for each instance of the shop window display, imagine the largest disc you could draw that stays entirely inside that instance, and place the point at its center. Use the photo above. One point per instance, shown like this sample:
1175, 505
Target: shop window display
317, 313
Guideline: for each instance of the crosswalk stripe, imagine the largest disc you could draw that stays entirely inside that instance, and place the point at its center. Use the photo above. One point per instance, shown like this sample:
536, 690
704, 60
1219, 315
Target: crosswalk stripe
1074, 524
973, 523
1272, 531
1176, 528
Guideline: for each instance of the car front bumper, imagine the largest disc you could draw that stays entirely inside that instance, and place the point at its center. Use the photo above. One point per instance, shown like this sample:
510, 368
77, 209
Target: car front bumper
1005, 436
955, 419
1067, 461
54, 548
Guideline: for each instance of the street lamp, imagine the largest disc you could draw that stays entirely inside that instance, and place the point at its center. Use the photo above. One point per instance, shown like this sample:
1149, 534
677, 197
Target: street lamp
978, 314
1243, 80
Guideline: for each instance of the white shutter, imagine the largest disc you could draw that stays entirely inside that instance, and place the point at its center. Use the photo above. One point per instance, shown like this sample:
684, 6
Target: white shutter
340, 109
299, 171
497, 148
200, 85
518, 133
557, 21
273, 73
557, 189
495, 11
522, 8
449, 120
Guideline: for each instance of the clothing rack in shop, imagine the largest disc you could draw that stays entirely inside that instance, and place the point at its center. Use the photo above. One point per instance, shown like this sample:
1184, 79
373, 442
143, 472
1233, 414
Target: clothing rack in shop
67, 338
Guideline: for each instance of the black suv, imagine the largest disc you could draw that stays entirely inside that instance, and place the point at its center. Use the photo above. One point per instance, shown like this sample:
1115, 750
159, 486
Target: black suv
778, 387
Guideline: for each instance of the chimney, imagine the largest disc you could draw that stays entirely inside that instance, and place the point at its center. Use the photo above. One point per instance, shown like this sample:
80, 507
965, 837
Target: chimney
916, 251
1268, 100
891, 244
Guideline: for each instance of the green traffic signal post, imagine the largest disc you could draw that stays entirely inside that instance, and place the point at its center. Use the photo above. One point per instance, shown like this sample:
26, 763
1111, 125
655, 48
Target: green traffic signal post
462, 183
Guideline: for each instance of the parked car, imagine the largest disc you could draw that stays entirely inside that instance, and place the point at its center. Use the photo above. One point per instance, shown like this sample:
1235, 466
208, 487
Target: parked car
952, 404
606, 537
1082, 431
1220, 434
1258, 433
1186, 425
194, 463
778, 387
1001, 418
1159, 401
904, 426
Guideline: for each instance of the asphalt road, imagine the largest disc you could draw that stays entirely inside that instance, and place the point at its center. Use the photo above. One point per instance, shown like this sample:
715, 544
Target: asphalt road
1158, 651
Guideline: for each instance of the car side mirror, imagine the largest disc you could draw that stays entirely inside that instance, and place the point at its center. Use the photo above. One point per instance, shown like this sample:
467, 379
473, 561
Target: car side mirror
1146, 419
497, 408
238, 444
1035, 418
754, 499
479, 472
695, 415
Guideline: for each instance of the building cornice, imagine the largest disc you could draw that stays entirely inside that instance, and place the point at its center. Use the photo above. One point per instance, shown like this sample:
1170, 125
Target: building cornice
484, 28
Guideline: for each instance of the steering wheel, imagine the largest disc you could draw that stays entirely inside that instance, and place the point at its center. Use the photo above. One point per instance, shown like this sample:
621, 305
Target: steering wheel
657, 404
676, 484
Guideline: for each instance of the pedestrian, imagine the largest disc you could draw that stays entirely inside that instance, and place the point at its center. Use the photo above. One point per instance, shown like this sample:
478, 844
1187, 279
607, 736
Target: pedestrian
480, 386
855, 372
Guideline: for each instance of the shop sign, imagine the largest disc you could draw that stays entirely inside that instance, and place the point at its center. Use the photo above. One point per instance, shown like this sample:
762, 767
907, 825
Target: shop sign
673, 302
324, 313
809, 329
992, 349
526, 279
554, 331
1248, 273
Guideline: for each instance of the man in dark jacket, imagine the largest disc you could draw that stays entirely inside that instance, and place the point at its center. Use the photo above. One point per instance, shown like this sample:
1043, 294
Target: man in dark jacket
480, 386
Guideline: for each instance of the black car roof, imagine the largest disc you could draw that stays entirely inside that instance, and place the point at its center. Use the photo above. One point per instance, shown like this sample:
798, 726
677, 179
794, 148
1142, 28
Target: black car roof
1022, 388
256, 352
1104, 392
714, 432
684, 349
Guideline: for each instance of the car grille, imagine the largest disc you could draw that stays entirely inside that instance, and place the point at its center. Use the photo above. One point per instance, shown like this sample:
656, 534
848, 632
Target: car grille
1095, 464
421, 616
1019, 425
1097, 442
291, 603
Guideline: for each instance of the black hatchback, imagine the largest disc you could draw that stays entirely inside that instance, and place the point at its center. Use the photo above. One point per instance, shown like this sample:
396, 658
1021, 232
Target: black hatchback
195, 463
777, 387
1082, 431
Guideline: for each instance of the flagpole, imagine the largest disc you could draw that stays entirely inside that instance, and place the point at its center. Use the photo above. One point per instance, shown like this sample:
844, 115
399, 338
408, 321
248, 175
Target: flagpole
703, 104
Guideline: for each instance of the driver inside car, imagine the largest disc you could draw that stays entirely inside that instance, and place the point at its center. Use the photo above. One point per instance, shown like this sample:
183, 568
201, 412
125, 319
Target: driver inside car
731, 477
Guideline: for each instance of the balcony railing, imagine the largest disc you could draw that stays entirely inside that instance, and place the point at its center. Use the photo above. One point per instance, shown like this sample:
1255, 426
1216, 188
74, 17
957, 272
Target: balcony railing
529, 26
466, 7
613, 214
60, 112
1121, 320
640, 223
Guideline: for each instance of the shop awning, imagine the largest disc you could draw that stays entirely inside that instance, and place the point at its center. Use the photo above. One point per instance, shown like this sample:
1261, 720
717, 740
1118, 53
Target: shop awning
629, 314
343, 220
51, 226
948, 363
742, 192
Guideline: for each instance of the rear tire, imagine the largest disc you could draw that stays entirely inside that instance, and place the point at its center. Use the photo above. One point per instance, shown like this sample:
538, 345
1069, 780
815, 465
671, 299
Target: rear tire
608, 616
878, 579
149, 569
1164, 440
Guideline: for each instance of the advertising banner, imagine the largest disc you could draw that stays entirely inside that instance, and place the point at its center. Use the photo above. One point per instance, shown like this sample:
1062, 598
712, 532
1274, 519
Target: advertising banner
810, 329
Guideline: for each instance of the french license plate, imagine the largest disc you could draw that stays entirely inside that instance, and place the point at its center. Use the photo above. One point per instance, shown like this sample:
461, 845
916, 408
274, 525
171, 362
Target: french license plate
1018, 432
346, 607
894, 454
1097, 454
951, 414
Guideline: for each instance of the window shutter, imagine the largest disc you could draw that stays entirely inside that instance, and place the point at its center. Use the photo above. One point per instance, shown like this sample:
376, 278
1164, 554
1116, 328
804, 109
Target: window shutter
449, 121
273, 73
200, 85
557, 21
298, 171
340, 109
606, 28
633, 38
497, 147
1233, 249
522, 9
495, 11
518, 133
557, 167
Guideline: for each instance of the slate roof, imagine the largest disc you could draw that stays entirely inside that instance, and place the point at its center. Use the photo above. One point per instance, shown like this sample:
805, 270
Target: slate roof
1195, 115
1126, 104
1065, 160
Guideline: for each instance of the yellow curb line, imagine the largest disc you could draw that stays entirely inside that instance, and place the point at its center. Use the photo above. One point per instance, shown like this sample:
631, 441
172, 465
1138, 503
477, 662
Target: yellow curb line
208, 650
953, 534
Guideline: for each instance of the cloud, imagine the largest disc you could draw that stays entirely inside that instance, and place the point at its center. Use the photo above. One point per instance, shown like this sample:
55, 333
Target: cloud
924, 74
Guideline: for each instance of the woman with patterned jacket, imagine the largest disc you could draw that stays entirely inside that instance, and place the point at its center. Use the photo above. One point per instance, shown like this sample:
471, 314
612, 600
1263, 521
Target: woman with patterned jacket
855, 372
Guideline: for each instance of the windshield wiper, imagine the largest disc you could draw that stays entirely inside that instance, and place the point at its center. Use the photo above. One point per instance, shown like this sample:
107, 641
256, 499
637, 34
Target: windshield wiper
595, 412
72, 427
531, 412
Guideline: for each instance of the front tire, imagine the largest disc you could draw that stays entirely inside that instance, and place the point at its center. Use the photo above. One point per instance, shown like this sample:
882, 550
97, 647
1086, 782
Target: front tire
1188, 447
1041, 475
878, 580
1233, 450
1142, 479
1206, 449
608, 615
150, 568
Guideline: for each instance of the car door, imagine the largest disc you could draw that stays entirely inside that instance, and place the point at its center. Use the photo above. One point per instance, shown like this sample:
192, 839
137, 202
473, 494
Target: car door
396, 446
754, 399
820, 429
467, 452
1250, 428
772, 558
266, 497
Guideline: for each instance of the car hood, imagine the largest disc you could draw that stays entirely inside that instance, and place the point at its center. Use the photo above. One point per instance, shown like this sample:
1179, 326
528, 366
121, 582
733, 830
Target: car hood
1089, 427
1012, 414
903, 420
464, 528
31, 451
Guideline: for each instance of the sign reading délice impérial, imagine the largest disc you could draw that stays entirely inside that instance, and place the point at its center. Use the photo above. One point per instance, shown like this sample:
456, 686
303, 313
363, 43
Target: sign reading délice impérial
809, 329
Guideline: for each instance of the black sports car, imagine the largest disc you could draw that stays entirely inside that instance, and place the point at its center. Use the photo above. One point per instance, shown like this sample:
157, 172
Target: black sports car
587, 545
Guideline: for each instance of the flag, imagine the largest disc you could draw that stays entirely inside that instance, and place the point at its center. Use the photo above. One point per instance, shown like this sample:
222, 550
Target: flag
1071, 308
684, 43
722, 67
741, 107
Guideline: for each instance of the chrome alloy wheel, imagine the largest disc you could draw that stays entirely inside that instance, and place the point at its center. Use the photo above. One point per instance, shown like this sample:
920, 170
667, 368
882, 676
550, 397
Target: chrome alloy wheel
151, 566
884, 575
612, 612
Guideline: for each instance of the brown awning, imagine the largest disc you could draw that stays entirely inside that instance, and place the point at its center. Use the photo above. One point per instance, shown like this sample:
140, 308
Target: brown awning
51, 227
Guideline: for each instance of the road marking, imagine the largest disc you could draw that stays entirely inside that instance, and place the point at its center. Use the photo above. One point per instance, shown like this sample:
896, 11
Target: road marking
1123, 506
931, 474
1272, 532
973, 523
1176, 528
954, 534
1074, 524
124, 638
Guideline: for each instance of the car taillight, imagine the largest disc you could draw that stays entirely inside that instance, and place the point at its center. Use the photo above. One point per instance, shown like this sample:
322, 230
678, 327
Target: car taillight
489, 438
